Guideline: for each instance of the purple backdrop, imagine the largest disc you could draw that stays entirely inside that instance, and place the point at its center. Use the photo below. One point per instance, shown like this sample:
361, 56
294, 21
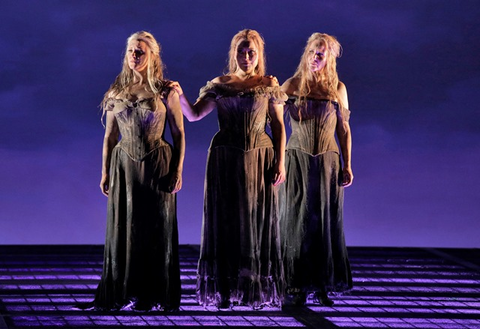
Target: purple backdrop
411, 68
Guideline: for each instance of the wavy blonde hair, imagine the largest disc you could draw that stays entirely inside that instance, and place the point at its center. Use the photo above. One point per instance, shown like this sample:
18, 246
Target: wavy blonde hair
155, 68
326, 78
247, 35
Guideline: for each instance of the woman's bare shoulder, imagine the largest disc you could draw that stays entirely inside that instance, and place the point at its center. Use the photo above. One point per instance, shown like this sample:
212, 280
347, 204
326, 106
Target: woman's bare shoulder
222, 79
290, 86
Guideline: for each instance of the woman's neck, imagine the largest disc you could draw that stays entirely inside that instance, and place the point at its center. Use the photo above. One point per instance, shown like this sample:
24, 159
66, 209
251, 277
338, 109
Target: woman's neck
243, 76
139, 77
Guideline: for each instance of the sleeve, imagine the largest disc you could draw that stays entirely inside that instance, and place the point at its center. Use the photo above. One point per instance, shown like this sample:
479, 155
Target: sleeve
109, 104
343, 114
163, 88
276, 95
207, 92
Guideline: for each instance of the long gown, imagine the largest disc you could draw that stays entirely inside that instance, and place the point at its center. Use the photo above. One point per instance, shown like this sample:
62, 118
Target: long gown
141, 263
313, 242
240, 260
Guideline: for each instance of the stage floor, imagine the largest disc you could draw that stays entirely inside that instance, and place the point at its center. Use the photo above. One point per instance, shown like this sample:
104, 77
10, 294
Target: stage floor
394, 288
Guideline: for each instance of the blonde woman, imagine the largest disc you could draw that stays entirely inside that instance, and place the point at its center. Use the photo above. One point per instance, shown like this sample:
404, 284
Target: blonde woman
315, 255
240, 261
141, 173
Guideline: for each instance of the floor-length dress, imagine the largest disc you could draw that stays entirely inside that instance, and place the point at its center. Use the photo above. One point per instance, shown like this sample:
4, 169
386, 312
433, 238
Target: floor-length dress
141, 264
313, 243
240, 260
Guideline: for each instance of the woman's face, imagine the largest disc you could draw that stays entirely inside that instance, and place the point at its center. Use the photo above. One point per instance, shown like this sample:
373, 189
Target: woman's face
247, 56
137, 55
316, 56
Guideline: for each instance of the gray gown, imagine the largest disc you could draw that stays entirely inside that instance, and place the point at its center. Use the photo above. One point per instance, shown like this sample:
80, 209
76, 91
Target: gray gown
313, 243
141, 264
240, 260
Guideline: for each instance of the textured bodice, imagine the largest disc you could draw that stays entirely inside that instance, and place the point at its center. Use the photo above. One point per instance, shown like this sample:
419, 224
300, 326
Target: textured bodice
313, 129
242, 114
141, 124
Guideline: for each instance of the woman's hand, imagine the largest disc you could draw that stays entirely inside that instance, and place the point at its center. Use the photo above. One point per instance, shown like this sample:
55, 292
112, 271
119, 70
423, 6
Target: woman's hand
278, 174
347, 177
175, 85
175, 184
105, 184
273, 81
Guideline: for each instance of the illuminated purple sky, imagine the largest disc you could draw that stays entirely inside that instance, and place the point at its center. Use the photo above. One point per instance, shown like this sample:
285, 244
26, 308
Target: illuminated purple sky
411, 67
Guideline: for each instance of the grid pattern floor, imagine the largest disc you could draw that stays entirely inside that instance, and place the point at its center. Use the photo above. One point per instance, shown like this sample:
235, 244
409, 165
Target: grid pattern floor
394, 288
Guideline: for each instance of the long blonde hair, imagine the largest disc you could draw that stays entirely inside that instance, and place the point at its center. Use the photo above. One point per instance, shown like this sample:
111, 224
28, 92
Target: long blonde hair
155, 68
326, 78
247, 35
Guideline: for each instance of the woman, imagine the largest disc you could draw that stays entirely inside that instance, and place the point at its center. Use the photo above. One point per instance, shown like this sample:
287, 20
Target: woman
240, 261
315, 255
140, 175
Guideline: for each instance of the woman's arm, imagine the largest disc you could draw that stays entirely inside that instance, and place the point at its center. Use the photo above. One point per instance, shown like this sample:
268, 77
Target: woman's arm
196, 111
345, 138
110, 139
289, 86
175, 121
